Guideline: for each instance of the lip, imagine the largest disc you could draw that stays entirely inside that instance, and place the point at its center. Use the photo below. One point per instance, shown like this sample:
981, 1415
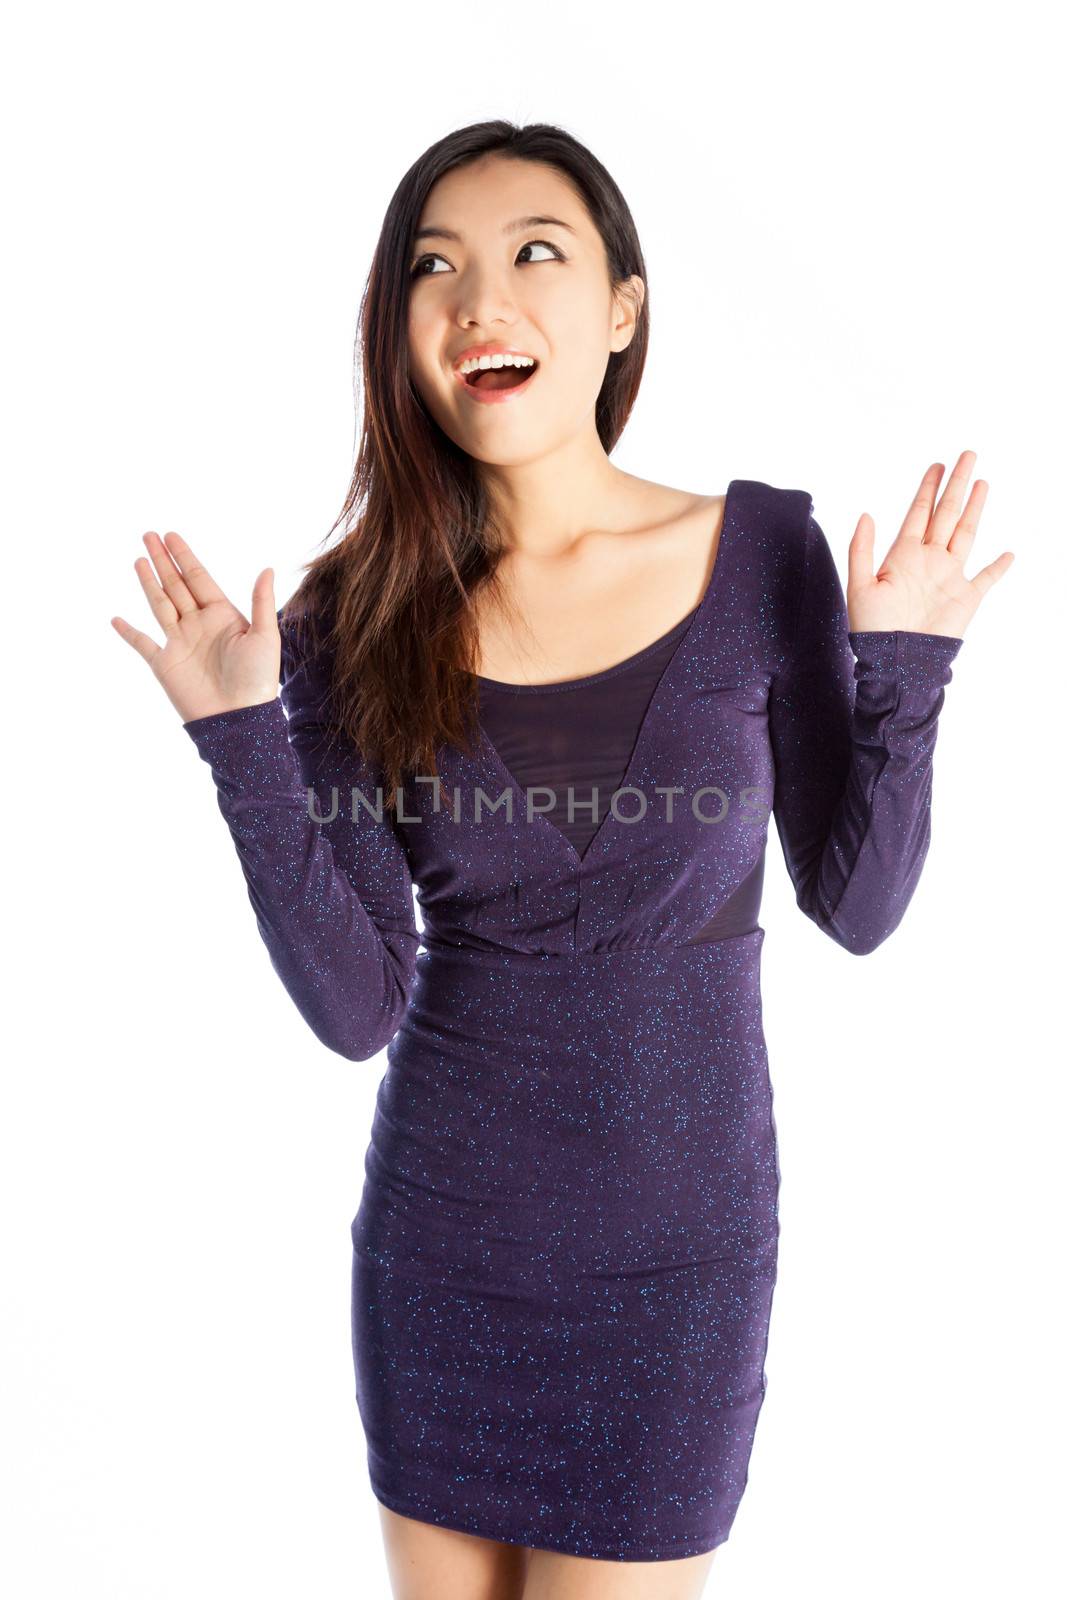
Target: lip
491, 397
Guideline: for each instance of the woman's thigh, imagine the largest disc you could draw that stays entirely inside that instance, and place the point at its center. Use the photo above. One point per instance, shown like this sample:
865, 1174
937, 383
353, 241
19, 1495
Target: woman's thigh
552, 1576
427, 1562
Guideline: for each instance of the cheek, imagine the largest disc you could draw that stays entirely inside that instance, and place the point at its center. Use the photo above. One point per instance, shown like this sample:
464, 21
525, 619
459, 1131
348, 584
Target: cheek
426, 382
420, 342
578, 364
581, 334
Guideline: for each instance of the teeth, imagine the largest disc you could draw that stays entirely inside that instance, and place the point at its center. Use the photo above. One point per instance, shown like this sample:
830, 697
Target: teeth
483, 362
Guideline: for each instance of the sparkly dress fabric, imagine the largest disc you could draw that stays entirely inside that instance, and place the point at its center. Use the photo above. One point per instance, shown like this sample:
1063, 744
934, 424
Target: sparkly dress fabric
565, 1250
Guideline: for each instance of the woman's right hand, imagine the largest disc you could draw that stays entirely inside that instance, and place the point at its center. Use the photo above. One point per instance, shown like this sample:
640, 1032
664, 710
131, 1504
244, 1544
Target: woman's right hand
214, 659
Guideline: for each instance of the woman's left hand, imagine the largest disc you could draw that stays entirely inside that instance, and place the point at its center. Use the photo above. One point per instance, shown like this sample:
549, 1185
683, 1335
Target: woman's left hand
920, 587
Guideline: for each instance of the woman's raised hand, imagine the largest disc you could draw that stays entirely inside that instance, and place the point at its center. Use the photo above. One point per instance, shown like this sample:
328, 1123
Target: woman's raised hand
214, 659
920, 587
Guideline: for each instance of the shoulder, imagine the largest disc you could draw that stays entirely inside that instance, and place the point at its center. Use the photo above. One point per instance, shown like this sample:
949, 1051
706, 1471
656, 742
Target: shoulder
765, 542
764, 513
774, 529
769, 536
780, 515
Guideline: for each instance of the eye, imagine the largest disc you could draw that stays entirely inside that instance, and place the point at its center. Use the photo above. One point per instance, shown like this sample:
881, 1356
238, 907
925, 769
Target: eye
421, 262
533, 244
557, 253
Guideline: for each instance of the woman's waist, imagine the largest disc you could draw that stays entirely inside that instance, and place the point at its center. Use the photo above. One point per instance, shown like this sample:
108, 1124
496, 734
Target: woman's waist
511, 1003
608, 962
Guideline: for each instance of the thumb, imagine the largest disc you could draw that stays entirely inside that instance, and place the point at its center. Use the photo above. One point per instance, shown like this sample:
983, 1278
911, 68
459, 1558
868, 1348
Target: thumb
861, 555
264, 611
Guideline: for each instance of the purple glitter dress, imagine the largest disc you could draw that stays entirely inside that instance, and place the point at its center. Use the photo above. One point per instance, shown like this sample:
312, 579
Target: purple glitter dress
566, 1247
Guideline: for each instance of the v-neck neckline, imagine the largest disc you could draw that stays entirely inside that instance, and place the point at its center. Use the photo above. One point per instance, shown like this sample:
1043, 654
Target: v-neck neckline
561, 685
512, 784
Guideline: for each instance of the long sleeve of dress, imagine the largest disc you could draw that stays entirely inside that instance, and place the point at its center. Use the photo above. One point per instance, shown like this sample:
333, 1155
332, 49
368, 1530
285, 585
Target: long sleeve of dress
333, 900
853, 723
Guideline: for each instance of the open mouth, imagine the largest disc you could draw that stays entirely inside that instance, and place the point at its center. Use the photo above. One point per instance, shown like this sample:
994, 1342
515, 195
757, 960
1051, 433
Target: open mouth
499, 377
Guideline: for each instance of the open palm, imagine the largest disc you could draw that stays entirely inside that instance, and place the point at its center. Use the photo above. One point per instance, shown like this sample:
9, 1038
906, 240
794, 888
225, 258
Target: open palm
213, 659
920, 586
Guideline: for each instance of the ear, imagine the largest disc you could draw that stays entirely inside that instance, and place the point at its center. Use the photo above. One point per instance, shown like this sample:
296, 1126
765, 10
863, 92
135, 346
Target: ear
629, 301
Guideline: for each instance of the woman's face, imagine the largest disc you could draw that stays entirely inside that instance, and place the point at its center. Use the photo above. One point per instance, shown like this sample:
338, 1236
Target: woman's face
484, 273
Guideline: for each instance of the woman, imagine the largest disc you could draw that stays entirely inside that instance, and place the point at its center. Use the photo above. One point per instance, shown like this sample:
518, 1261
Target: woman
566, 1248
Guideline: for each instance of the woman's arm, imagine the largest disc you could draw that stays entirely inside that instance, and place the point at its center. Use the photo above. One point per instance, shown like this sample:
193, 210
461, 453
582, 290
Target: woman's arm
853, 723
333, 901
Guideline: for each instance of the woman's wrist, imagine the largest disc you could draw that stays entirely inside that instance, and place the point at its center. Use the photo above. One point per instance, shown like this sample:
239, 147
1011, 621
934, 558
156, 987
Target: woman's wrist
223, 710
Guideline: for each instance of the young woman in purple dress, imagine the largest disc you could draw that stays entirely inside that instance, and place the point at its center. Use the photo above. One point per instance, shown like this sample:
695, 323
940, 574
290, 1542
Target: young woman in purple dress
566, 1246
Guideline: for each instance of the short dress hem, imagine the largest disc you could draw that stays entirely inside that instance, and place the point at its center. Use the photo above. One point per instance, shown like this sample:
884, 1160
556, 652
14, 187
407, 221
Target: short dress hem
536, 1539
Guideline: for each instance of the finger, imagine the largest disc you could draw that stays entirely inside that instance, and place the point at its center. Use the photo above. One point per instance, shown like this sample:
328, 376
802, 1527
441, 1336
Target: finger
983, 581
264, 611
917, 519
198, 579
966, 528
141, 642
169, 576
948, 507
861, 555
162, 607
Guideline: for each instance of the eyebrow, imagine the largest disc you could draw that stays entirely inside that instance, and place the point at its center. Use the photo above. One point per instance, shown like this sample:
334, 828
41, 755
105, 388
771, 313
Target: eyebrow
519, 224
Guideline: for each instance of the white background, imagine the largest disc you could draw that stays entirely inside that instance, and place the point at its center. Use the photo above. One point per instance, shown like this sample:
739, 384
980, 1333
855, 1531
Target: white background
850, 217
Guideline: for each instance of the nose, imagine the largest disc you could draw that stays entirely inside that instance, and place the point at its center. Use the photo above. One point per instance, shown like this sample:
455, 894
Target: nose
484, 302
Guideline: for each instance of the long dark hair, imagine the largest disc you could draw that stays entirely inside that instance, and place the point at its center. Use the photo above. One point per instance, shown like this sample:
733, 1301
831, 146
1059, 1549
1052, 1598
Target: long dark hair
390, 603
